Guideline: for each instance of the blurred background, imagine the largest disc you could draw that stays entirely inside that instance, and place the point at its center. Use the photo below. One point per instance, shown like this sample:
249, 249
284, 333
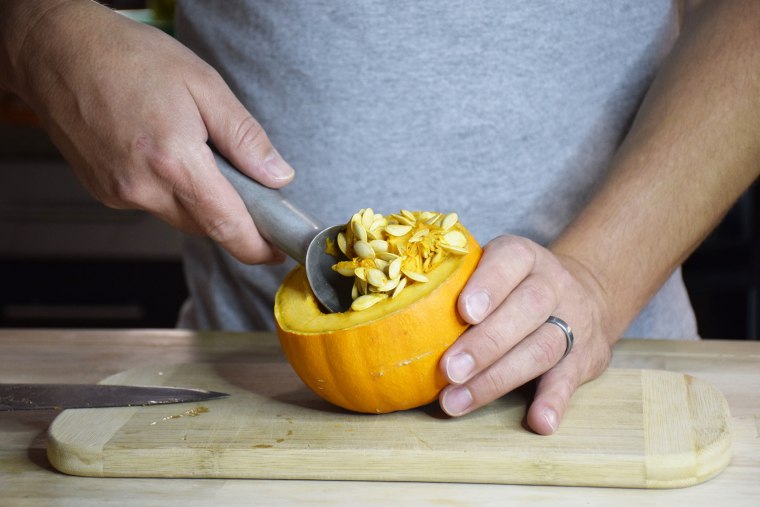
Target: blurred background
67, 261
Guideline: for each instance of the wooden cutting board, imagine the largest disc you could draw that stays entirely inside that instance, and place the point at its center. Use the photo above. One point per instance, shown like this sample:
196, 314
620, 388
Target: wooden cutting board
629, 428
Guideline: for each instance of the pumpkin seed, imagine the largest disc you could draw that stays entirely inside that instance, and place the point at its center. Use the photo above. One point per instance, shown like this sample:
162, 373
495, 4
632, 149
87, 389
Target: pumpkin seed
379, 245
364, 250
362, 286
408, 214
455, 238
397, 229
386, 256
432, 220
367, 300
345, 268
376, 277
417, 236
403, 220
377, 227
386, 253
456, 250
394, 268
358, 229
417, 277
342, 243
399, 287
390, 285
449, 221
368, 217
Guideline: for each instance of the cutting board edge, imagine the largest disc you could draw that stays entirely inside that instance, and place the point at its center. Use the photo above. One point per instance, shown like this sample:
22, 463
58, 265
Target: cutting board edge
81, 454
709, 457
347, 465
258, 468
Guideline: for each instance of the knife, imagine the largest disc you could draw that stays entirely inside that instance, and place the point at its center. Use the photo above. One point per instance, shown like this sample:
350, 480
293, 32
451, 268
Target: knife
62, 396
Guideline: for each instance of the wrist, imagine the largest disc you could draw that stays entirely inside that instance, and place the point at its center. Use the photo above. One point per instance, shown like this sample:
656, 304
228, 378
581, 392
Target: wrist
598, 299
20, 23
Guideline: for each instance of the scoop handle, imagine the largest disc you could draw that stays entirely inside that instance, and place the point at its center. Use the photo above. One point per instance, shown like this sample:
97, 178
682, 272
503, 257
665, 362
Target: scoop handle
279, 221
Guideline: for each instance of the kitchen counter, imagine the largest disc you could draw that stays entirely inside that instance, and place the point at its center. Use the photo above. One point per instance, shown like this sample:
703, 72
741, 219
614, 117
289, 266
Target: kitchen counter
26, 477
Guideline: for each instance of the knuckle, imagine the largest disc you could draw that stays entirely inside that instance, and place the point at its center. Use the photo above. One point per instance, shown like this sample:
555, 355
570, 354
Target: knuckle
249, 134
123, 192
491, 343
222, 229
155, 162
513, 256
164, 163
534, 298
206, 73
563, 279
167, 167
547, 349
519, 247
493, 383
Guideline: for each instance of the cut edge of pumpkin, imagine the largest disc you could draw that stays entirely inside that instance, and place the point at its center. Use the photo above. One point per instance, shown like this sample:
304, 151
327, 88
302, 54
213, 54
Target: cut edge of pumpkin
297, 311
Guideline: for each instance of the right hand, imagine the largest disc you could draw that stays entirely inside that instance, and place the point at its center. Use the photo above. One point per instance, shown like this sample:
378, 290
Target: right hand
132, 110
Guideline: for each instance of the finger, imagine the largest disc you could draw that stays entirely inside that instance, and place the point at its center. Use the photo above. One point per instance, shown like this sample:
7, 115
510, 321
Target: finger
238, 136
553, 393
528, 359
506, 261
174, 213
587, 361
216, 207
522, 313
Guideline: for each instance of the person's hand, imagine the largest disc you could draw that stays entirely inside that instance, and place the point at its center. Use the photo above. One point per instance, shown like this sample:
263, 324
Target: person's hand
518, 284
132, 110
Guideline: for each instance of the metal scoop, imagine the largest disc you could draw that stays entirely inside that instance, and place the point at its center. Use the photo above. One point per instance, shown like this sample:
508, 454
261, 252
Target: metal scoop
295, 232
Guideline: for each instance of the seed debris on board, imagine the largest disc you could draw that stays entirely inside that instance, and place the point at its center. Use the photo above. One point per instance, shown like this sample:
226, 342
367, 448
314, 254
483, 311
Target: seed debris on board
384, 254
193, 412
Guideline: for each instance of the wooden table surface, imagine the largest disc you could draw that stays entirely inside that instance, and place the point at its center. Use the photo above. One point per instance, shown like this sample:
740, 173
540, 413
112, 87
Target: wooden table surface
26, 477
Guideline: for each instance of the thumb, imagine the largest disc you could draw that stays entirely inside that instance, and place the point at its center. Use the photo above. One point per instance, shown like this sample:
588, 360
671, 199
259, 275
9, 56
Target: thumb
240, 138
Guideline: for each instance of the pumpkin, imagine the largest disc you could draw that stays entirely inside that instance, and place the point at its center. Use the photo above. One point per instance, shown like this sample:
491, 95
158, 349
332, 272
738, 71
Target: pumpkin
383, 358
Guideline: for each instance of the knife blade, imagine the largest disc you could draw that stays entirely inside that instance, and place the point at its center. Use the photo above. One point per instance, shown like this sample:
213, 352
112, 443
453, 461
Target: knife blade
61, 396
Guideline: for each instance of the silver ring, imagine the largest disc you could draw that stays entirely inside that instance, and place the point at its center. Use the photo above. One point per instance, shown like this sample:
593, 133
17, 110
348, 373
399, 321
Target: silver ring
565, 329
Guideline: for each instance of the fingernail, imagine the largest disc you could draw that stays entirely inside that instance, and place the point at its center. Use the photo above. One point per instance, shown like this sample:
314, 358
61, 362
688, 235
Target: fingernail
477, 305
457, 400
276, 166
551, 419
459, 367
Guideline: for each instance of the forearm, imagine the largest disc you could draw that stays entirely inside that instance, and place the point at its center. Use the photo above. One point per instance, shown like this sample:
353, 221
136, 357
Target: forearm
692, 150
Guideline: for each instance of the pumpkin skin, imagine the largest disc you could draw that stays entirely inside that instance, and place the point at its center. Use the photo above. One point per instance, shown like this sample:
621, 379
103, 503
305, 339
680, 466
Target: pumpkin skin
382, 359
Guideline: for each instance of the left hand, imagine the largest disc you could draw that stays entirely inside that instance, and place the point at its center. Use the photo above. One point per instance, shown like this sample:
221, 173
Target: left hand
518, 284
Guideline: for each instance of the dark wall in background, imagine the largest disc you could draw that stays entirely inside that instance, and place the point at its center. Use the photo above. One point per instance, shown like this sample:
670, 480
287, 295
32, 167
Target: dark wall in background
723, 275
97, 293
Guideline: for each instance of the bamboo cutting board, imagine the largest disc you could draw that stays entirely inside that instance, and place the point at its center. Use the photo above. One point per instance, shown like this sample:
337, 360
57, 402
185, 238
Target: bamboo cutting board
629, 428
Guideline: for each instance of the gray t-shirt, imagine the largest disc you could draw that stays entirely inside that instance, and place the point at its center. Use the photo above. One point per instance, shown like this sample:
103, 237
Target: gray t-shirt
506, 112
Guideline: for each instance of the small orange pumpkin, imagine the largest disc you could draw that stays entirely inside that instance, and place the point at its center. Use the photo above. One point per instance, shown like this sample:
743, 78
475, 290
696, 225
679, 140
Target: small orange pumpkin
381, 359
